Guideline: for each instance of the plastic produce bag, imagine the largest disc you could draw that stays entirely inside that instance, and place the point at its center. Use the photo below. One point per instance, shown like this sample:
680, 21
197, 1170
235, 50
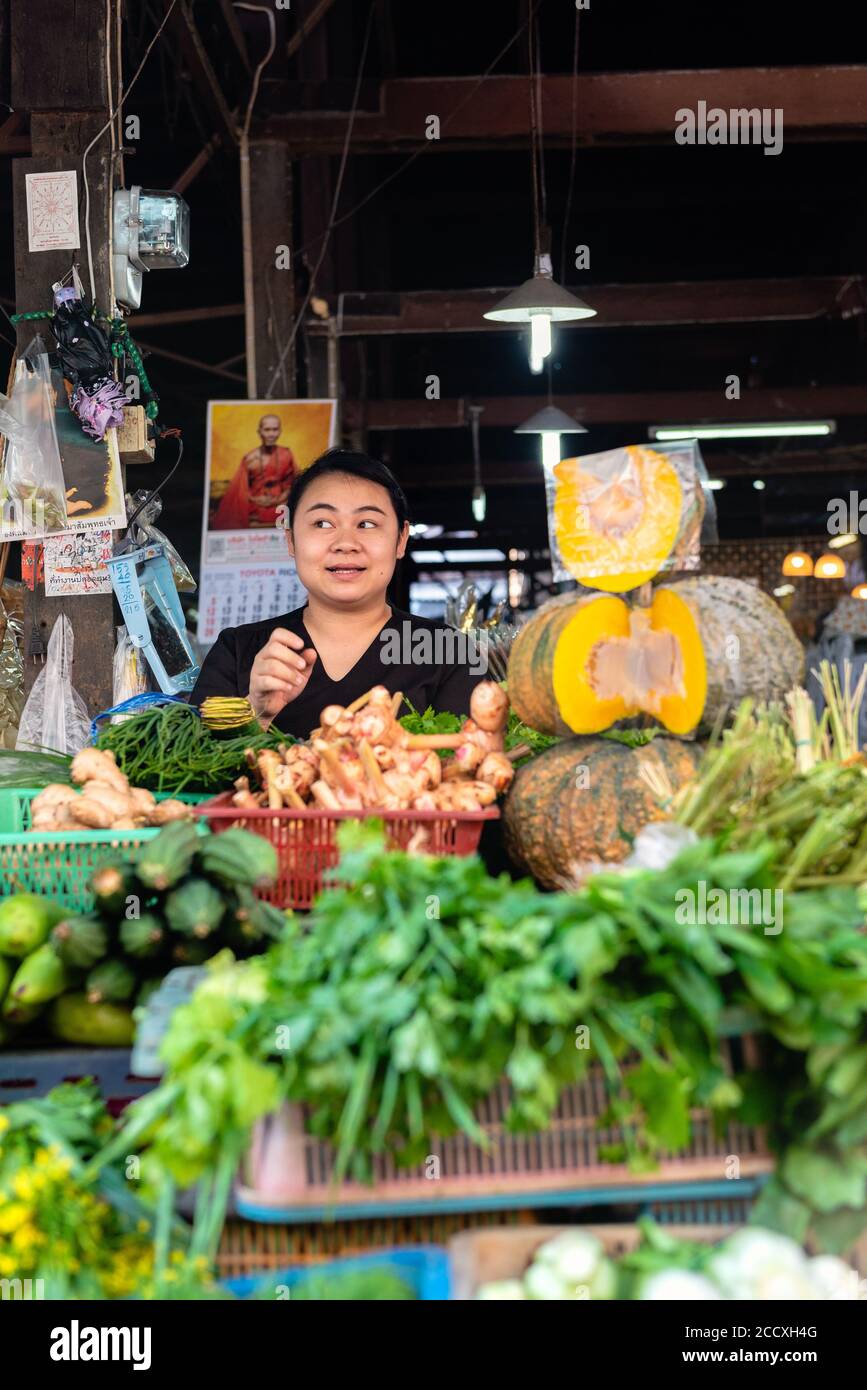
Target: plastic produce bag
129, 673
55, 717
85, 358
618, 518
32, 489
11, 676
145, 530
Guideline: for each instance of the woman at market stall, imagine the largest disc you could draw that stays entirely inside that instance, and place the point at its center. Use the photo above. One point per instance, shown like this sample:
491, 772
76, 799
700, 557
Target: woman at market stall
347, 527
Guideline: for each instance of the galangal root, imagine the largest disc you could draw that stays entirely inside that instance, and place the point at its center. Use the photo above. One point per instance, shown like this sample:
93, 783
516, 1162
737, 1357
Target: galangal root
360, 757
101, 800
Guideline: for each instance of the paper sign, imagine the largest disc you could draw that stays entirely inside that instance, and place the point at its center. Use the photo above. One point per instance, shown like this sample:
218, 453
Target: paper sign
75, 563
52, 211
230, 595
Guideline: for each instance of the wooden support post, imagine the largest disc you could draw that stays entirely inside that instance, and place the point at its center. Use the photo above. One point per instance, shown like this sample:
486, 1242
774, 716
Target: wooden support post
272, 265
58, 74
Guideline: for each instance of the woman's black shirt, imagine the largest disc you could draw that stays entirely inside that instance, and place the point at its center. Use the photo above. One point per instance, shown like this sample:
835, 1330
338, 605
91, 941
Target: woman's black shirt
431, 665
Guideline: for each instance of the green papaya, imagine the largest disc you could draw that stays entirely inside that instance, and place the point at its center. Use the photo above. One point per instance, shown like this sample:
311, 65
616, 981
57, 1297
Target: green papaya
111, 884
80, 941
19, 1015
195, 908
142, 937
25, 921
39, 977
192, 952
111, 981
74, 1019
237, 856
161, 863
257, 920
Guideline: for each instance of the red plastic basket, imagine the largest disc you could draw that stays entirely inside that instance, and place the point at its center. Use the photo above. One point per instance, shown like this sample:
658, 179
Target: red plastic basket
306, 840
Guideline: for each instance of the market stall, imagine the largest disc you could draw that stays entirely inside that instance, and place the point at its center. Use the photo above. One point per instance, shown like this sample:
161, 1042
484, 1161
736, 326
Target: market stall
511, 948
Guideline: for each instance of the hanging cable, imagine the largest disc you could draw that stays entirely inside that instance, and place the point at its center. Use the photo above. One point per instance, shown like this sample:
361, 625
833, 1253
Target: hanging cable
534, 127
299, 317
574, 145
246, 203
113, 112
427, 144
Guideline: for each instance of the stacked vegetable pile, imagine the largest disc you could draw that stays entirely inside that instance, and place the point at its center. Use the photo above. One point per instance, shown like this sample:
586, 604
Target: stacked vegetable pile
753, 1264
800, 782
176, 900
361, 757
419, 984
106, 800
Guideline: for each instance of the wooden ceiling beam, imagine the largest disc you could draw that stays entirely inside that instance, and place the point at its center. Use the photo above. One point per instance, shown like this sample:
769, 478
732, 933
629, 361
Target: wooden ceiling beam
827, 102
611, 408
617, 306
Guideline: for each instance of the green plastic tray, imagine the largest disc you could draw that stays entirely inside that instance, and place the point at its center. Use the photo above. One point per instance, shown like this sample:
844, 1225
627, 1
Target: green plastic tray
57, 865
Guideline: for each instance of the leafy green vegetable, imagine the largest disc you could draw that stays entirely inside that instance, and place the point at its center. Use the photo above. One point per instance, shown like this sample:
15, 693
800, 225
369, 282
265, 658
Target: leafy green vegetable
517, 733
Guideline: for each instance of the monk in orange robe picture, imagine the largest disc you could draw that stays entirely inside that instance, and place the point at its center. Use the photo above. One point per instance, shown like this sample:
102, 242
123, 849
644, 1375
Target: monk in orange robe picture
260, 485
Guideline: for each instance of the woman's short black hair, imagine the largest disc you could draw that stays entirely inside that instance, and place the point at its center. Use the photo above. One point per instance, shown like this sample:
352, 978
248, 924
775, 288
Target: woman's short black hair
356, 465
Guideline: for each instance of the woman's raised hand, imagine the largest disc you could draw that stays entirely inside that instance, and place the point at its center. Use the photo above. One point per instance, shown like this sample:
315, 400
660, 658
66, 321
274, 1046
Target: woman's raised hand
280, 672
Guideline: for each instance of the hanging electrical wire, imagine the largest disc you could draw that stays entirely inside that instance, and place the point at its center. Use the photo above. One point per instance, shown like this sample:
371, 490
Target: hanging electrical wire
114, 112
573, 150
338, 187
428, 144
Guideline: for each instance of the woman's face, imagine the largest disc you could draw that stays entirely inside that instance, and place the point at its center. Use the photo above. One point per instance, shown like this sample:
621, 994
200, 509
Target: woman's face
345, 539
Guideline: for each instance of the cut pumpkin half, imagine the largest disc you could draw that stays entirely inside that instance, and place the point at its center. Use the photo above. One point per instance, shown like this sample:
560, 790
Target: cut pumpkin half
617, 516
592, 664
584, 662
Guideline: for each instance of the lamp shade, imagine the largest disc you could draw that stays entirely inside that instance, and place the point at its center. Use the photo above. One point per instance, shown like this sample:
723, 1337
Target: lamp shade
539, 295
860, 591
550, 420
798, 563
829, 566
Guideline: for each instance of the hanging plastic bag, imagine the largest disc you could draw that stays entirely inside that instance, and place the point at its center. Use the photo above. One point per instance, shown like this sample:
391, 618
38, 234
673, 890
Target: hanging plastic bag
11, 675
85, 359
618, 518
145, 530
55, 717
129, 673
32, 489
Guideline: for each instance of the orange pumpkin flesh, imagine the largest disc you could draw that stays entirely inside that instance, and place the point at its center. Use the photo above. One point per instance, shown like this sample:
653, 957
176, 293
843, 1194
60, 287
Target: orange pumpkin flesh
625, 525
612, 662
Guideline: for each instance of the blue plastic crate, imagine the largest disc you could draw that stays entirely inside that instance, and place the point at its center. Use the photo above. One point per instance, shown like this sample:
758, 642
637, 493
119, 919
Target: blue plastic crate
424, 1267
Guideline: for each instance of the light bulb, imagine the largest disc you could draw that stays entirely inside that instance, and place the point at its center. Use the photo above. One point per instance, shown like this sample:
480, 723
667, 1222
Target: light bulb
540, 340
479, 503
550, 449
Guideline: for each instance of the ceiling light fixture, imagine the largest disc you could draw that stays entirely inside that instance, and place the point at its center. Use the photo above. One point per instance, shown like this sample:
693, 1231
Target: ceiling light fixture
550, 422
771, 430
799, 563
838, 542
829, 566
539, 301
759, 484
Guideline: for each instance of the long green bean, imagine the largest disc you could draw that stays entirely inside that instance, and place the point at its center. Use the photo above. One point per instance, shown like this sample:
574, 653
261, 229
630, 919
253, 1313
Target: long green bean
168, 749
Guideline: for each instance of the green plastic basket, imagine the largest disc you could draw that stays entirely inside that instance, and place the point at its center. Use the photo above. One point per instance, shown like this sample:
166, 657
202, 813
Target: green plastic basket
58, 865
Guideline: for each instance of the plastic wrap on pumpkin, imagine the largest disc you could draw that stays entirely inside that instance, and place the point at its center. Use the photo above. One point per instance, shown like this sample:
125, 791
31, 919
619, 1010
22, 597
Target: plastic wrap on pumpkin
618, 518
